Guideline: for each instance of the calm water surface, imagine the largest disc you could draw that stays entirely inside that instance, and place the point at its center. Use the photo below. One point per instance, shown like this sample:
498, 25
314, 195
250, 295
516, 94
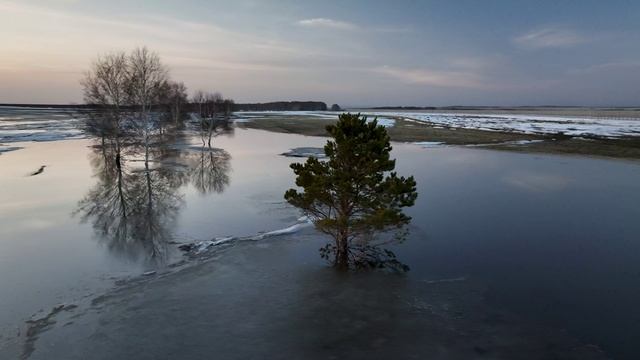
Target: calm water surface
552, 239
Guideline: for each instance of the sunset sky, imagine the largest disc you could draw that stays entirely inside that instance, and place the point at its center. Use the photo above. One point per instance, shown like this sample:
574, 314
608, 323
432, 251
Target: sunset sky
355, 53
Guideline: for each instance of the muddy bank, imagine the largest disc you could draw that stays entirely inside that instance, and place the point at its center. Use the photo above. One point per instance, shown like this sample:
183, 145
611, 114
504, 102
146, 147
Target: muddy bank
413, 131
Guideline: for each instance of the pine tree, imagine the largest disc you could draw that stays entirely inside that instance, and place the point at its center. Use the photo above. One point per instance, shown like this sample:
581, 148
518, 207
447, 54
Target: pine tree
355, 193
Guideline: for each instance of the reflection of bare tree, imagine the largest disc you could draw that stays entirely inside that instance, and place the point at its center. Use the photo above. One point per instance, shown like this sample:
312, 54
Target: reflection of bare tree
209, 169
132, 207
155, 206
135, 201
108, 204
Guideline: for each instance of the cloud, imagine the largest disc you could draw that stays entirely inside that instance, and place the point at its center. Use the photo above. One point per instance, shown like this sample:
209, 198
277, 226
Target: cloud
442, 78
605, 67
348, 26
327, 23
479, 63
173, 38
550, 37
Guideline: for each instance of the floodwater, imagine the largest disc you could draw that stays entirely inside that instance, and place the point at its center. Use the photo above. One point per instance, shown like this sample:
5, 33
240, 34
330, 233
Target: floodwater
512, 256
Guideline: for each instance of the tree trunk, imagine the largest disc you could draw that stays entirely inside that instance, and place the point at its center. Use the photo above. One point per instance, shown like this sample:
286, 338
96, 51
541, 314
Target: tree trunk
176, 114
210, 131
123, 204
342, 252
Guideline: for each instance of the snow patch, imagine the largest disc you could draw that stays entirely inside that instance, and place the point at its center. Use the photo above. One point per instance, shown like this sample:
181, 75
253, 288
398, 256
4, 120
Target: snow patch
429, 144
383, 121
28, 124
527, 124
4, 149
525, 142
200, 247
305, 152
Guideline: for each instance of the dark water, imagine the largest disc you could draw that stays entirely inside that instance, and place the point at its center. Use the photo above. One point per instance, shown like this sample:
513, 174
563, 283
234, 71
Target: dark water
554, 238
546, 241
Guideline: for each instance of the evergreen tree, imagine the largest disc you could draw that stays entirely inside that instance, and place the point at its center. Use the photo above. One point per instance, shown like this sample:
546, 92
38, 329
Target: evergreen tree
355, 193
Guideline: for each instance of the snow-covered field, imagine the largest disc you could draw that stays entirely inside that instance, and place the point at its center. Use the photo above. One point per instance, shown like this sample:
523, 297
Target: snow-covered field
528, 124
35, 124
40, 124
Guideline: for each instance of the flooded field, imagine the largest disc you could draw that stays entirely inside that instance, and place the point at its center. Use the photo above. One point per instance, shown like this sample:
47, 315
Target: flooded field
512, 255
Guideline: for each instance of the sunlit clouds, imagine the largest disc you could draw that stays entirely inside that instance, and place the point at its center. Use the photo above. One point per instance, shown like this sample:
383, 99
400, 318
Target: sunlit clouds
327, 23
355, 54
550, 37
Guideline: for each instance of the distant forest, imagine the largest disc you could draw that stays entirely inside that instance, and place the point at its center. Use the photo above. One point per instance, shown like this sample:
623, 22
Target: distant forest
403, 108
282, 106
269, 106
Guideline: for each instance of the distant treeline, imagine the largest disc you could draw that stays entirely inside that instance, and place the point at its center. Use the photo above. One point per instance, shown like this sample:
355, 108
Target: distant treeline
282, 106
53, 106
404, 108
505, 108
270, 106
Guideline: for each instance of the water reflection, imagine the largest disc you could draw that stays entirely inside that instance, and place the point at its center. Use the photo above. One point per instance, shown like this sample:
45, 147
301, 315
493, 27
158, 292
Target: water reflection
135, 202
209, 169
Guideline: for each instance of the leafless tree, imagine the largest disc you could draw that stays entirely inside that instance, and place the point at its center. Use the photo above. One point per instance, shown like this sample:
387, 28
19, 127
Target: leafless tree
210, 106
147, 77
213, 104
173, 100
106, 84
199, 99
228, 107
174, 96
177, 98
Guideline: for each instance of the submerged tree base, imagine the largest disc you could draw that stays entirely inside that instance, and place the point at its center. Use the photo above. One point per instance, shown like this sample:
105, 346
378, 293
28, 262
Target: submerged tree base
364, 257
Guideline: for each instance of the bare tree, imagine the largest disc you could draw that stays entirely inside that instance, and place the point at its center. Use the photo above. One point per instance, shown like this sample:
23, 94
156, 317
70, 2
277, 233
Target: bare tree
213, 104
106, 84
147, 76
177, 100
210, 106
173, 101
228, 107
199, 99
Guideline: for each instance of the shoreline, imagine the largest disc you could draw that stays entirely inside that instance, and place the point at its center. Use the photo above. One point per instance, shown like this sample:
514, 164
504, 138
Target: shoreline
412, 131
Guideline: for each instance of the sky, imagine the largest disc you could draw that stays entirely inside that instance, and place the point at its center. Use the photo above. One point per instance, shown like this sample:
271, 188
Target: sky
350, 52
